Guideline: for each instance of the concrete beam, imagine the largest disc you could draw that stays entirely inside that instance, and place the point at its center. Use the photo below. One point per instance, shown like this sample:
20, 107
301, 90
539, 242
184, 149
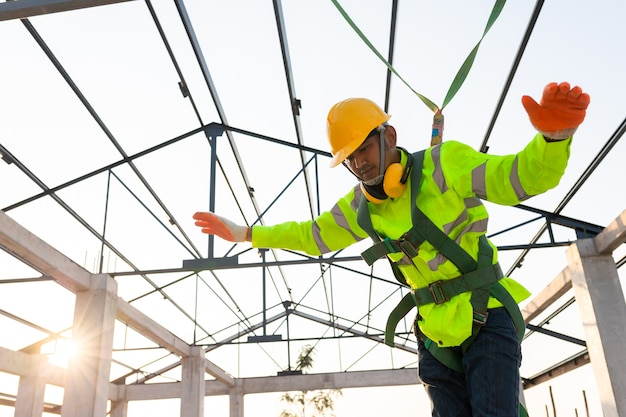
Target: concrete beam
19, 363
338, 380
33, 251
605, 243
156, 391
225, 378
219, 374
562, 368
16, 363
128, 314
612, 236
560, 285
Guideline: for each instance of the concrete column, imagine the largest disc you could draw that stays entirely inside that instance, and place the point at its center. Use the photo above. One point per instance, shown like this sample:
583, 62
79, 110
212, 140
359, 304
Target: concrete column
192, 397
88, 373
601, 302
31, 389
119, 407
236, 400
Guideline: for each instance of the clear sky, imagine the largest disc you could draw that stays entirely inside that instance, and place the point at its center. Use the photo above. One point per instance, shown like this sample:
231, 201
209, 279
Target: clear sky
116, 58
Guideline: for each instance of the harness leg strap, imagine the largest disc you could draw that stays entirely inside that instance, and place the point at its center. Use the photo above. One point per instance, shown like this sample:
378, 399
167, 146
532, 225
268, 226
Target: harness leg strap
402, 309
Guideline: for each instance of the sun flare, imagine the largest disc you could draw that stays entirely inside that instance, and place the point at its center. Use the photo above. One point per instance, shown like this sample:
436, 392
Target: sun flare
61, 351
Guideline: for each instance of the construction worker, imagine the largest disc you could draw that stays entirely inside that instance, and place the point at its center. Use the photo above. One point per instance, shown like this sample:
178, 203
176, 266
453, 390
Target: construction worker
424, 213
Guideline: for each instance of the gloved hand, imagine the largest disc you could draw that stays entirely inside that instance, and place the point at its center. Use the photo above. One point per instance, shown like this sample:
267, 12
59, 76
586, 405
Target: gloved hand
561, 111
213, 224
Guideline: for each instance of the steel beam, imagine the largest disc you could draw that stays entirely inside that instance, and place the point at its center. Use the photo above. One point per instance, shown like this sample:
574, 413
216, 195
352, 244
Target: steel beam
21, 9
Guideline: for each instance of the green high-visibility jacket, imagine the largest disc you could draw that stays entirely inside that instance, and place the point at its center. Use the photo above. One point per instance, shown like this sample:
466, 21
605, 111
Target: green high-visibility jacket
455, 178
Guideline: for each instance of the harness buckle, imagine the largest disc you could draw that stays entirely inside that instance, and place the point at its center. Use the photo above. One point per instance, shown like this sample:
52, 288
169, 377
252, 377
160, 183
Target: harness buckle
436, 291
407, 247
480, 318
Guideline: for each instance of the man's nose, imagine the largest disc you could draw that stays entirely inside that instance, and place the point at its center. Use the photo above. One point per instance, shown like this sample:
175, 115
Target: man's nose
358, 161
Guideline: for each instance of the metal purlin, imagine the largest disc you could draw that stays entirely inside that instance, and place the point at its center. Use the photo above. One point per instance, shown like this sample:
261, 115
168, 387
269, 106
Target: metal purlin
615, 137
193, 40
529, 30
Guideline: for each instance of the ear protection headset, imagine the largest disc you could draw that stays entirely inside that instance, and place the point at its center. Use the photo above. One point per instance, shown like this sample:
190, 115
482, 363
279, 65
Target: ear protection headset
393, 184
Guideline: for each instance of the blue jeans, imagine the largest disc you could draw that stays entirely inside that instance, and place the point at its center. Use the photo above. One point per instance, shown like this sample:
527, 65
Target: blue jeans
490, 385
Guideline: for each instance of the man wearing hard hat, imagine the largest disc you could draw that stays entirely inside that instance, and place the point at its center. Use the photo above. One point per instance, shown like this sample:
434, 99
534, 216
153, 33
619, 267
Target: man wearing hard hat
424, 213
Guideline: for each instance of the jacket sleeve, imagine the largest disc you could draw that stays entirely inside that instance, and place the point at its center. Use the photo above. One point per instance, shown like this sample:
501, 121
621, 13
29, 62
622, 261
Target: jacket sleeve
508, 179
332, 230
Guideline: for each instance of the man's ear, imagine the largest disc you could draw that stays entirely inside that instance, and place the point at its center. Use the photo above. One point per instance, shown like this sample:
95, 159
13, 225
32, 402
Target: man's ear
390, 136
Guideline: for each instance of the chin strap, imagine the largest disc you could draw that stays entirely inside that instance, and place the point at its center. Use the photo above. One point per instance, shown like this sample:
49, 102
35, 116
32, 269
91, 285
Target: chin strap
375, 188
381, 151
378, 181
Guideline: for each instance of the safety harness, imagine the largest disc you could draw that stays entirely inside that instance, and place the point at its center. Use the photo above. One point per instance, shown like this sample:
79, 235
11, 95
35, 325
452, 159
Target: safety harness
480, 277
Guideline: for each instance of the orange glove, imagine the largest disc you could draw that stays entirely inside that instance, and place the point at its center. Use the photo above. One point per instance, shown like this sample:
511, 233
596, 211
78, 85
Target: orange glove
213, 224
561, 111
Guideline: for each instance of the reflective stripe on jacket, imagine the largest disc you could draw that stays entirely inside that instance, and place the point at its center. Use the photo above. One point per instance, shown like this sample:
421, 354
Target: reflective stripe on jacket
455, 178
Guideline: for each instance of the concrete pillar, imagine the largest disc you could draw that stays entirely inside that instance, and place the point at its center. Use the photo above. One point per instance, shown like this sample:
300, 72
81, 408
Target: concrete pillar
192, 397
88, 373
119, 407
603, 310
236, 400
31, 389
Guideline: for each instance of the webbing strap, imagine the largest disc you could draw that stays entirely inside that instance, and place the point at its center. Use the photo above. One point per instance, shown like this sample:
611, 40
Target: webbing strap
452, 358
407, 244
448, 357
398, 313
364, 219
502, 295
522, 410
432, 106
382, 247
482, 283
458, 79
441, 291
428, 231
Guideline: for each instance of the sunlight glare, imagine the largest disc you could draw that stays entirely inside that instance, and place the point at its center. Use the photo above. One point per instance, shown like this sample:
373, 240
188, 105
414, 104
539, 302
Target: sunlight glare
61, 352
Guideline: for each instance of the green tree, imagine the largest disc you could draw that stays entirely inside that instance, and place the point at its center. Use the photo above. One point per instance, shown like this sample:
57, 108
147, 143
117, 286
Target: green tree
319, 403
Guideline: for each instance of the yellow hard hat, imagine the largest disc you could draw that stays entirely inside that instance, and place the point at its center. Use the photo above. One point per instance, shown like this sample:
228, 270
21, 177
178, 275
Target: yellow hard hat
349, 123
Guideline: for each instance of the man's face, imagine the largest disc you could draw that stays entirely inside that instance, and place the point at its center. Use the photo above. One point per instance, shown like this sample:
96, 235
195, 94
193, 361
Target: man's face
365, 160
